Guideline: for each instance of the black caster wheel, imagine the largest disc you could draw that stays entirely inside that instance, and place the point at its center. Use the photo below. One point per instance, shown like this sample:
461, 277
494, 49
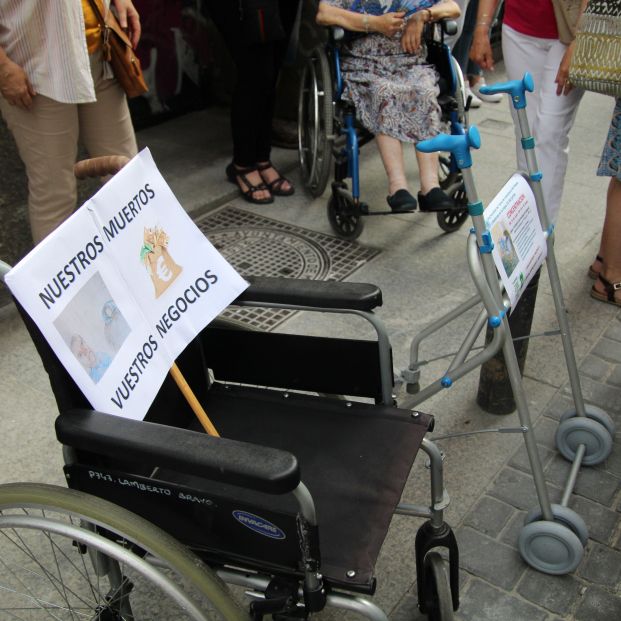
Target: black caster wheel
453, 184
344, 217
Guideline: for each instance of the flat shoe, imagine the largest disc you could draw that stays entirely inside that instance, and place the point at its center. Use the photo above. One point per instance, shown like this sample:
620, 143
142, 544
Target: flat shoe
233, 174
610, 288
401, 202
275, 187
435, 200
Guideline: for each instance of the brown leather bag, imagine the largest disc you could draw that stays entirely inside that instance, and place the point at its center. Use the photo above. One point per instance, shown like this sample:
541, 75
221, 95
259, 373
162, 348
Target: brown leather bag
118, 51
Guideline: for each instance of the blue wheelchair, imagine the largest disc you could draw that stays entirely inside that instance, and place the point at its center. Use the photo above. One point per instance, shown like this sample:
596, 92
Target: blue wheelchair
330, 137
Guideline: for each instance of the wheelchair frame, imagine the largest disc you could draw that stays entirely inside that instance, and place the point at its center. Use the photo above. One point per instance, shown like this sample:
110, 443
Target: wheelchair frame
112, 535
329, 133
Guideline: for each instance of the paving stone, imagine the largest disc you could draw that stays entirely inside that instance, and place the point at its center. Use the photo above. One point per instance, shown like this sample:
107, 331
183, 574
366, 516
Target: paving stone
489, 559
613, 332
512, 531
601, 521
521, 462
603, 395
544, 432
518, 489
599, 605
555, 593
559, 404
608, 350
489, 516
483, 602
591, 483
602, 566
615, 376
595, 367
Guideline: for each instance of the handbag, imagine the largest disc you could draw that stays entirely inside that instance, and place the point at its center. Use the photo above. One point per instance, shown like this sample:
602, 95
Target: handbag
260, 21
596, 60
118, 51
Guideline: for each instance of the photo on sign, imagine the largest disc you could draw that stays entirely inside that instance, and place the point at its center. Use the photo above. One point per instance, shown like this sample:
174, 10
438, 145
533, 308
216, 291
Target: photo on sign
93, 327
502, 240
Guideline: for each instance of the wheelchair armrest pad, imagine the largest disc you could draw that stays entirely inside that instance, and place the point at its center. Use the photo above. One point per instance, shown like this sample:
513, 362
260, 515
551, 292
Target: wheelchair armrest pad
189, 452
312, 293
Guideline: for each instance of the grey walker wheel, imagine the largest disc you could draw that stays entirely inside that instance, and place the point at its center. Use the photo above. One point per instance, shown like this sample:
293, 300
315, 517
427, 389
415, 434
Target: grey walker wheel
550, 547
573, 432
439, 601
563, 515
594, 413
48, 537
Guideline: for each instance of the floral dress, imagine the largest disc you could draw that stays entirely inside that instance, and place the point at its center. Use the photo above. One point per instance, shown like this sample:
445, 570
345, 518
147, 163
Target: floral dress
610, 163
394, 93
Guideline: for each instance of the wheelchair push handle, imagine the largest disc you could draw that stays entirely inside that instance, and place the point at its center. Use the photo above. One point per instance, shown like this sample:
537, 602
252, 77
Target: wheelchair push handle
515, 88
458, 145
99, 166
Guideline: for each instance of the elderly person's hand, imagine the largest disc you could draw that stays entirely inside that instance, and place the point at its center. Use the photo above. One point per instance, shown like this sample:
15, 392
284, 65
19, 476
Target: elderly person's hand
389, 24
15, 86
413, 34
129, 20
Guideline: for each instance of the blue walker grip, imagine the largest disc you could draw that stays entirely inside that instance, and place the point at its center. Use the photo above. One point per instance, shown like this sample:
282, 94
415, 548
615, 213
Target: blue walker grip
516, 88
458, 145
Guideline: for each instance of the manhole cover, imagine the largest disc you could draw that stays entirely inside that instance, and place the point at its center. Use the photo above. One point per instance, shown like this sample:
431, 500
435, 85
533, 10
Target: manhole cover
258, 246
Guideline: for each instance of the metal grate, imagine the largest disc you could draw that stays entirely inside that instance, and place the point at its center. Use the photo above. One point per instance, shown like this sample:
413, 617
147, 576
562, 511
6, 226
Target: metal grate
260, 246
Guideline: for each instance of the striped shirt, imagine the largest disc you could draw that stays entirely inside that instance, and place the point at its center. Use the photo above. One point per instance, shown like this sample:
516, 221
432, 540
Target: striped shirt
47, 39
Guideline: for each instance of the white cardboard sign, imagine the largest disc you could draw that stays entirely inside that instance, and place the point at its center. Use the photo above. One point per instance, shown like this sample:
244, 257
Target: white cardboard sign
519, 243
123, 286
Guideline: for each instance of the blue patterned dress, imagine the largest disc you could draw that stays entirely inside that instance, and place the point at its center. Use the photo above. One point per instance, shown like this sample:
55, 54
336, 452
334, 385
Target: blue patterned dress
395, 93
610, 164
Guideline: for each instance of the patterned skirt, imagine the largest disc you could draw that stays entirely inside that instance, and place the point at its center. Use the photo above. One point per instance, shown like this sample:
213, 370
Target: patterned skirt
610, 163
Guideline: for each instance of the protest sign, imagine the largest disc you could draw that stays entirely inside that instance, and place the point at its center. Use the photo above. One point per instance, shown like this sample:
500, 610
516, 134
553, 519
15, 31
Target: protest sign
519, 243
122, 287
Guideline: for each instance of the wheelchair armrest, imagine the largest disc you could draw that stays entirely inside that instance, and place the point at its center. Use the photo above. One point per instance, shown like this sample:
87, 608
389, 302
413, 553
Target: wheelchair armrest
312, 293
189, 452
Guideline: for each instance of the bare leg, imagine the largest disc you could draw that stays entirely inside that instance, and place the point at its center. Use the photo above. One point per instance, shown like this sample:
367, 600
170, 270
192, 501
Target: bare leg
391, 152
610, 248
428, 170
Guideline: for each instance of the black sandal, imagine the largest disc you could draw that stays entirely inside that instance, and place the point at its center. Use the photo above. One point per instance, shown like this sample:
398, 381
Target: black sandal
233, 174
275, 187
610, 288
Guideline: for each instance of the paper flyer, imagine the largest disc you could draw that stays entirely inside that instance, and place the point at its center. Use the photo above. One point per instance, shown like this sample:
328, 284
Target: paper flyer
123, 286
519, 243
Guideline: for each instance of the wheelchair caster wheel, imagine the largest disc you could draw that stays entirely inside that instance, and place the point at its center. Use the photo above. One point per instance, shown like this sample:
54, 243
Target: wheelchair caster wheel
343, 218
550, 547
565, 516
572, 432
450, 221
594, 413
438, 599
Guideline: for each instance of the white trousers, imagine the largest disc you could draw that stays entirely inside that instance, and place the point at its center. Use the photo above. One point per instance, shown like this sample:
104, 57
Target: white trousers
550, 116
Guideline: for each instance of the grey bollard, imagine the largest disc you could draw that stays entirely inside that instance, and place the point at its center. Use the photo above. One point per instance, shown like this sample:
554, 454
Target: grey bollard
495, 394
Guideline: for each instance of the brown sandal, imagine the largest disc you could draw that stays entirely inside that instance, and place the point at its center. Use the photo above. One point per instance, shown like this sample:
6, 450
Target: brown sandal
233, 174
610, 288
595, 273
275, 187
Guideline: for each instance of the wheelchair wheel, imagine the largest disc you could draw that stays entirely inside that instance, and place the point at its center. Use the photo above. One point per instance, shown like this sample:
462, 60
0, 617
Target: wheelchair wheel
452, 183
315, 122
69, 555
439, 602
343, 216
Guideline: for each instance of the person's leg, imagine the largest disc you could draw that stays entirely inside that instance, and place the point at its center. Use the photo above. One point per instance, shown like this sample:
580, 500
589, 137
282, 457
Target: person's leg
391, 152
550, 116
46, 138
428, 170
106, 125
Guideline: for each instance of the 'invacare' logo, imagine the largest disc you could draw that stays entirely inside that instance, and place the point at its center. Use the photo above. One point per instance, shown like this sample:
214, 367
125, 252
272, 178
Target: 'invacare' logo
258, 525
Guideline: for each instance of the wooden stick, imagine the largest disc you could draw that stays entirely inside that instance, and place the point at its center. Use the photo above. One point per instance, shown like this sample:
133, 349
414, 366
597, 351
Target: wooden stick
193, 401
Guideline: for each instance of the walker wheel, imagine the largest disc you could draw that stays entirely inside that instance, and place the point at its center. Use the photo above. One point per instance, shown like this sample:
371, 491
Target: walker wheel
573, 432
562, 515
594, 413
343, 216
438, 599
550, 547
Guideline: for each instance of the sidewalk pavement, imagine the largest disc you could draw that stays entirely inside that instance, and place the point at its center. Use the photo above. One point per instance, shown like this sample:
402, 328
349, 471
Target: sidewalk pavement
423, 272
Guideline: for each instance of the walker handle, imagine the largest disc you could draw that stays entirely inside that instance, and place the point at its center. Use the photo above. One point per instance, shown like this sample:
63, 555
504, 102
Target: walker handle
459, 145
516, 88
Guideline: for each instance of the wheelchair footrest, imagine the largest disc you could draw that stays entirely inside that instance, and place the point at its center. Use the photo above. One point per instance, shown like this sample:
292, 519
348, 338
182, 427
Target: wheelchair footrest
388, 212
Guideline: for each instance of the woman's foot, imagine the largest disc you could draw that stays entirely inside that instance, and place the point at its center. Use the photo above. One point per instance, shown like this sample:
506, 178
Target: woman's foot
401, 201
606, 291
596, 267
275, 182
435, 200
250, 184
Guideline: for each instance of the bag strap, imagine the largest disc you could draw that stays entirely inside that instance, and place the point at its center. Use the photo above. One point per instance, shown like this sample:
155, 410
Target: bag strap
109, 22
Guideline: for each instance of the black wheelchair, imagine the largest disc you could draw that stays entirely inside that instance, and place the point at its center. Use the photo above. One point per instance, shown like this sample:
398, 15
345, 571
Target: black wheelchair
329, 133
292, 504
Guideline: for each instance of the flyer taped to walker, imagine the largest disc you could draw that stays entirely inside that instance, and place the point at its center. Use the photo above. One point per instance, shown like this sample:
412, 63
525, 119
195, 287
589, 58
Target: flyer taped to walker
519, 243
123, 286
